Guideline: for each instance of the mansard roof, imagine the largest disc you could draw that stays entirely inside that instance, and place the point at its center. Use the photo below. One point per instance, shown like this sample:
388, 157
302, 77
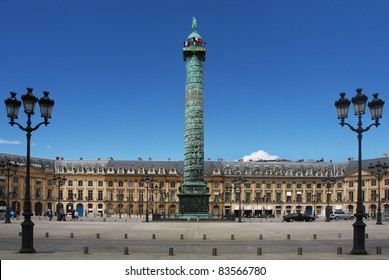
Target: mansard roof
264, 168
44, 164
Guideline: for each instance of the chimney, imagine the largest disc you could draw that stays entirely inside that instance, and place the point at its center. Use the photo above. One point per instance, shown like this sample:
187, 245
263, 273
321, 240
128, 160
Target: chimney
384, 155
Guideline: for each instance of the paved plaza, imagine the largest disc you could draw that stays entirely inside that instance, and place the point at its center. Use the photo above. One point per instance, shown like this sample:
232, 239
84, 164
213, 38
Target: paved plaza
133, 239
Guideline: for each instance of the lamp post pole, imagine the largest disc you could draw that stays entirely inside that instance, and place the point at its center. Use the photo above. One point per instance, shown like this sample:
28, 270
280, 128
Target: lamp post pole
120, 198
148, 182
328, 184
155, 189
46, 106
376, 106
222, 198
314, 205
59, 180
87, 206
379, 171
8, 169
238, 186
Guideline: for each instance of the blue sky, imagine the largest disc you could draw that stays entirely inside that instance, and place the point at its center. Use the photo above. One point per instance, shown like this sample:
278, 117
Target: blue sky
272, 74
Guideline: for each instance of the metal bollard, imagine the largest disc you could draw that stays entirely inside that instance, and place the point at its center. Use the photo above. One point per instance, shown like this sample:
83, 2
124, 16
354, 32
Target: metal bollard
314, 236
259, 251
181, 236
214, 251
98, 236
339, 236
339, 251
260, 237
232, 237
86, 250
367, 235
288, 236
153, 236
47, 234
126, 250
125, 236
378, 250
71, 235
204, 237
171, 252
103, 219
299, 251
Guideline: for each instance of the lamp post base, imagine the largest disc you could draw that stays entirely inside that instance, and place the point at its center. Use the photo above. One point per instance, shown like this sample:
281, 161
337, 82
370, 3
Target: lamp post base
27, 237
359, 238
379, 218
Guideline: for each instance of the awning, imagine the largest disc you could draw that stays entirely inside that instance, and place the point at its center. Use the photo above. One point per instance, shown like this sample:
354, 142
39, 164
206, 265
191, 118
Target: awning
268, 207
258, 207
289, 193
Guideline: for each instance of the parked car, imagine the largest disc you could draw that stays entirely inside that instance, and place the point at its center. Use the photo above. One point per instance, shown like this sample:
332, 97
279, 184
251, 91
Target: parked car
298, 217
340, 214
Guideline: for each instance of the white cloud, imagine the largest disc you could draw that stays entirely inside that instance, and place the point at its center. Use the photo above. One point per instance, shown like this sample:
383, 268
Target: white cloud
258, 155
9, 142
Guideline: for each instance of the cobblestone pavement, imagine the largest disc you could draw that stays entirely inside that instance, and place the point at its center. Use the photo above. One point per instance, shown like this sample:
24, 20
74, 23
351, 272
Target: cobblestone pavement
132, 238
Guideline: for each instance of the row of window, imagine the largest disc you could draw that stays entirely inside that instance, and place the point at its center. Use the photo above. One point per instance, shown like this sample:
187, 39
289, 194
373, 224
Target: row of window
258, 197
283, 172
227, 171
111, 170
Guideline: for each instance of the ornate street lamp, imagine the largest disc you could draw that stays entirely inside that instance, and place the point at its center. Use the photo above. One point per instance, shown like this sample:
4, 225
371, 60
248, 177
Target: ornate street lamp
314, 204
149, 182
376, 107
379, 171
8, 169
59, 181
46, 106
155, 189
238, 186
120, 206
328, 182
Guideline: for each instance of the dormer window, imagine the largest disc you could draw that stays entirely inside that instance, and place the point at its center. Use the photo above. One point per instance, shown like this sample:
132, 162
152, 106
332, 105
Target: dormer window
161, 170
152, 171
216, 171
131, 170
173, 171
247, 171
141, 170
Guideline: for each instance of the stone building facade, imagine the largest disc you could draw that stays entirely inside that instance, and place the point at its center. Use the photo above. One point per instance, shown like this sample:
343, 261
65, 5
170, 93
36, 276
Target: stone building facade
259, 189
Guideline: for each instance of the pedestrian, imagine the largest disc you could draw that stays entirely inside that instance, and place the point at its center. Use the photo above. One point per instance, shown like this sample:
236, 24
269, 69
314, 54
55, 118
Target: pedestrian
50, 214
76, 215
